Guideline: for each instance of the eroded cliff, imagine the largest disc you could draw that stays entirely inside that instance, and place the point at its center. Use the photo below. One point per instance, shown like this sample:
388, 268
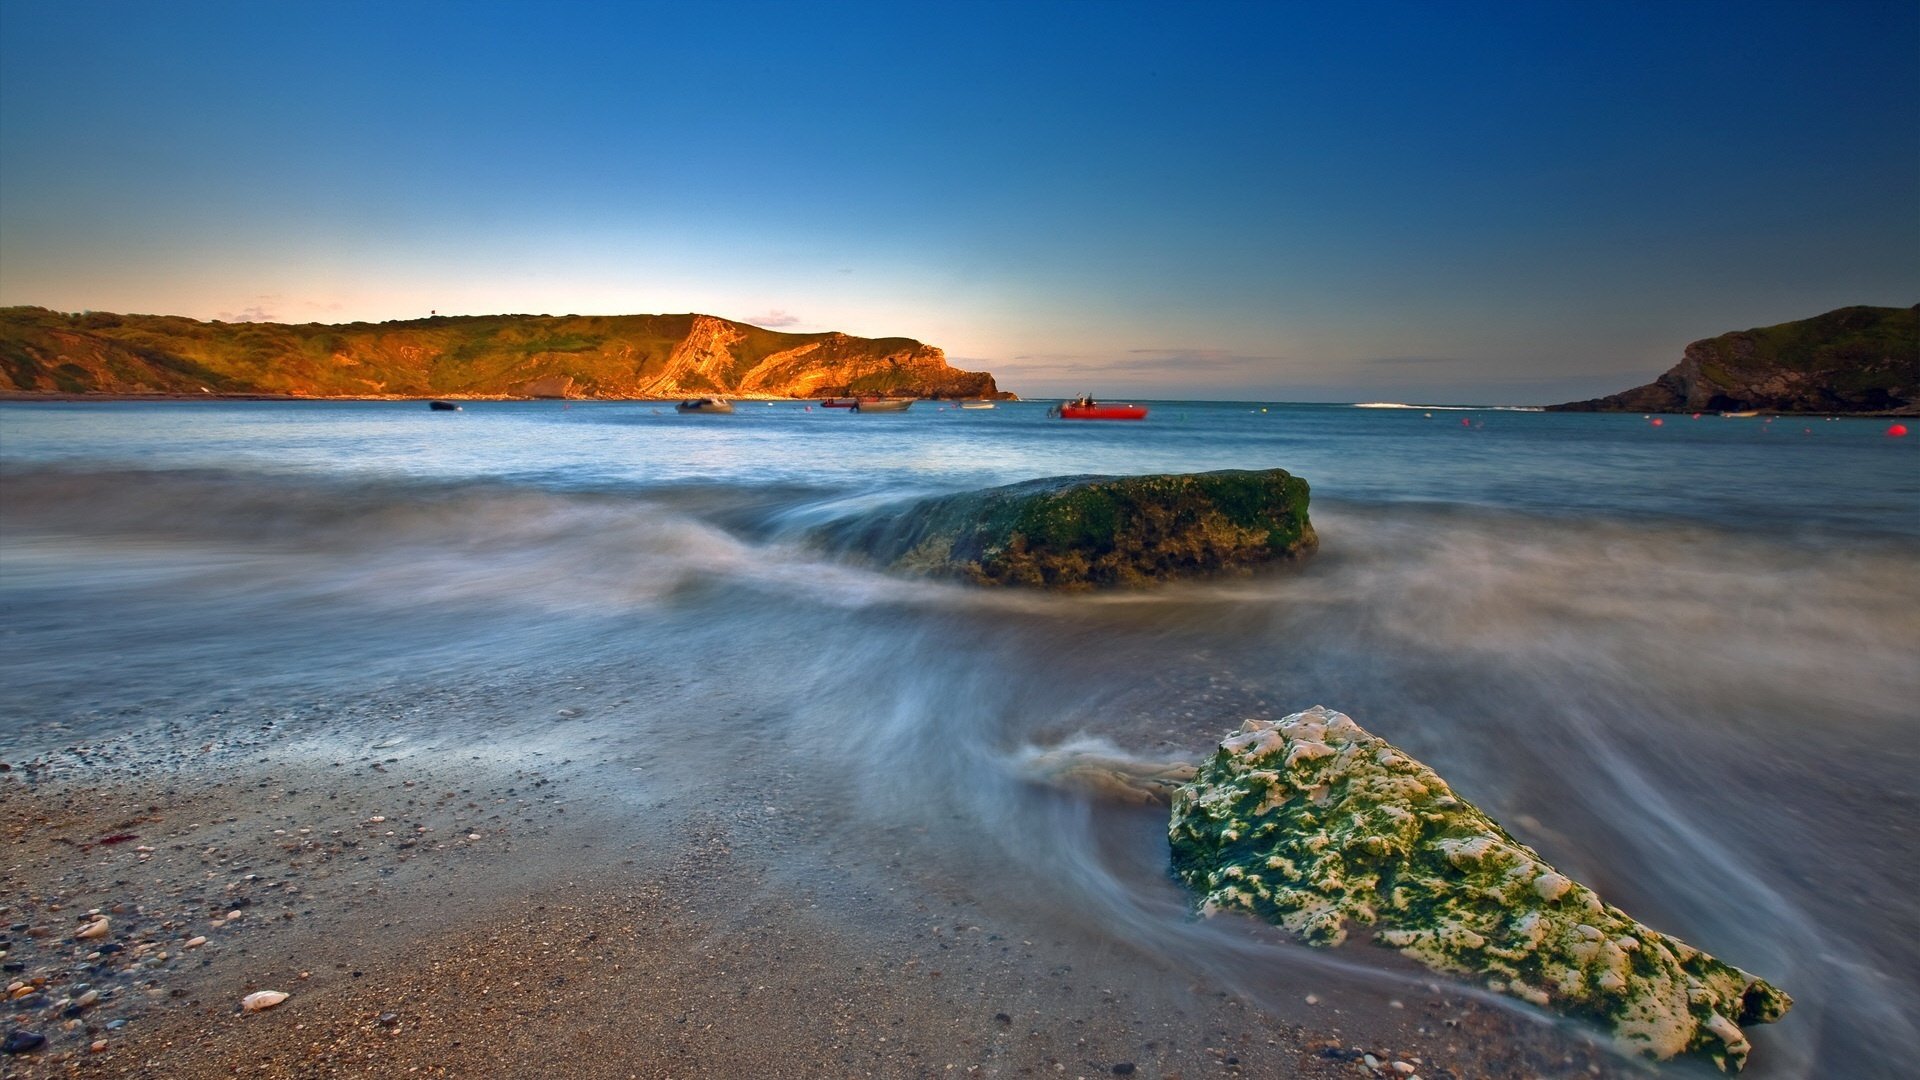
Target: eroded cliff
583, 356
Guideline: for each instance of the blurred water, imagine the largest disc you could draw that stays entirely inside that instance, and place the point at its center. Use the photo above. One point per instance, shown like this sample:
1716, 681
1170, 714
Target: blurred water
1681, 661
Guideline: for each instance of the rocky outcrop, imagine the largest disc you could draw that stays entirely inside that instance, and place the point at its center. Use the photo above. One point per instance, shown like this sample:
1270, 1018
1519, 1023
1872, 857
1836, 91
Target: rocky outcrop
1853, 360
1085, 532
1316, 825
624, 356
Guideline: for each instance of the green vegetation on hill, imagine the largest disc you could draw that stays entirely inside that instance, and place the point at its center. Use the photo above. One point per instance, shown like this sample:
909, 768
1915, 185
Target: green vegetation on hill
1850, 360
616, 356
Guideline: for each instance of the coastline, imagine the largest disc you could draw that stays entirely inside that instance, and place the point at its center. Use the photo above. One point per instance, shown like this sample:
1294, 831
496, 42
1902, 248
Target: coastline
434, 914
13, 396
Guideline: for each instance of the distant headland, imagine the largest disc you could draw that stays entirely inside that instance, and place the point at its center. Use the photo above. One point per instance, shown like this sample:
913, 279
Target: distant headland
53, 353
1859, 360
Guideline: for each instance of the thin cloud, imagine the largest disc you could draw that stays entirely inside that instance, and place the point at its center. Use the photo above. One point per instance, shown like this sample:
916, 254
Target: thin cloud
1213, 359
1142, 361
256, 313
772, 319
1411, 360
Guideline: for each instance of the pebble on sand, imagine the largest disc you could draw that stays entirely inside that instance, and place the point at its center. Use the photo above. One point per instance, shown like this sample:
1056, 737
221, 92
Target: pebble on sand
261, 1000
21, 1042
96, 929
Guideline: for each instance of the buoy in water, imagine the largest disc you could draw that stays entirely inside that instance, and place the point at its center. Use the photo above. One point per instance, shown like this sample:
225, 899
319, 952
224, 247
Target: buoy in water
1658, 422
1897, 430
1696, 416
1464, 422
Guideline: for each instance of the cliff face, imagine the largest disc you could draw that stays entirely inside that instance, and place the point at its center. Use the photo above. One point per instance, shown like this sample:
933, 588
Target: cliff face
1853, 360
585, 356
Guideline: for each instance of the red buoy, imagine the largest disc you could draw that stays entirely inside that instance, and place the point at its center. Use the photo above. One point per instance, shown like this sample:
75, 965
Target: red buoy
1657, 421
1897, 430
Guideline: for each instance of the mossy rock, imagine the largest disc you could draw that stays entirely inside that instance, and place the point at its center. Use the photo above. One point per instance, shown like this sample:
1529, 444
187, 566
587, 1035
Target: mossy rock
1089, 531
1314, 824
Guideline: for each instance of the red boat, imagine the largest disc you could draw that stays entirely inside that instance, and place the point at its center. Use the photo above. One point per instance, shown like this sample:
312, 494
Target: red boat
1085, 408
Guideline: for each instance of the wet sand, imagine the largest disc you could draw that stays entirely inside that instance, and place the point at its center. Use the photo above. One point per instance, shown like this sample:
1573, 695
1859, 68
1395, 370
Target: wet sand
441, 914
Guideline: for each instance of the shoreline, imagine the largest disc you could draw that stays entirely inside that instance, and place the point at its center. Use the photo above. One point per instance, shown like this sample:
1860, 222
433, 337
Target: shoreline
432, 914
15, 396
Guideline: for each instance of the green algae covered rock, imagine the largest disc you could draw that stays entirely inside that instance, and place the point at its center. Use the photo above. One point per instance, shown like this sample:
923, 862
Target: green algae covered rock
1314, 824
1081, 532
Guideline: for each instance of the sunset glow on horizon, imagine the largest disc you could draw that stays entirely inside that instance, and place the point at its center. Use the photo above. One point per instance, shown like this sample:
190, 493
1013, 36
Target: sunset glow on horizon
1487, 203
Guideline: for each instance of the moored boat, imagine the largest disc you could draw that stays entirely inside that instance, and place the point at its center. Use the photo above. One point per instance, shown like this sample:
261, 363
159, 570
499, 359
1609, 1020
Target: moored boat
1085, 408
704, 405
839, 403
976, 405
881, 405
443, 406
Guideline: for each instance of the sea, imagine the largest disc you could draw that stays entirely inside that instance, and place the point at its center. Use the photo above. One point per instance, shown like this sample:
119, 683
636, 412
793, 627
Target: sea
1679, 656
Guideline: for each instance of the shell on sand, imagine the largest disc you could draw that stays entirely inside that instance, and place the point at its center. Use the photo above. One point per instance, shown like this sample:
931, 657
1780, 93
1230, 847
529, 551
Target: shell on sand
261, 1000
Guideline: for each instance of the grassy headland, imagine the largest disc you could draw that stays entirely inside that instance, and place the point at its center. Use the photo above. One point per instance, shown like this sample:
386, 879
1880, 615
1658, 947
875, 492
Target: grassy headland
502, 356
1849, 360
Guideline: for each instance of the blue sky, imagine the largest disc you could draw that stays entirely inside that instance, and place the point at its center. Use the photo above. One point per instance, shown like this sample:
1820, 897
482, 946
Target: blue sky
1439, 202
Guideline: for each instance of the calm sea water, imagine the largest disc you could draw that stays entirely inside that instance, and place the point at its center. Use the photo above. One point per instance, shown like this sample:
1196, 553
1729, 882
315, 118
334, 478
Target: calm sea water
1683, 661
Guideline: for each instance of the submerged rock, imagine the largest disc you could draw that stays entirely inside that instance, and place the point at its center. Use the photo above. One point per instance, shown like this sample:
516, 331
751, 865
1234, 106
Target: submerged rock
1314, 824
1085, 531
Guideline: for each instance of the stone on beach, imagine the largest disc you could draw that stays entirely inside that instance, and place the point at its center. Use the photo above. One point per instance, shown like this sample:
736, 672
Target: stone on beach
1313, 823
22, 1041
98, 928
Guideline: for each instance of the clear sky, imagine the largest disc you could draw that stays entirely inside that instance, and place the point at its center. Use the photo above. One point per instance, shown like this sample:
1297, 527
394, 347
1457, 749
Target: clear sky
1438, 202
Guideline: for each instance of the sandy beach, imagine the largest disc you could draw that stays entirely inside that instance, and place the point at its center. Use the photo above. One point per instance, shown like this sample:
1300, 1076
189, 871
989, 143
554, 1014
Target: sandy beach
434, 914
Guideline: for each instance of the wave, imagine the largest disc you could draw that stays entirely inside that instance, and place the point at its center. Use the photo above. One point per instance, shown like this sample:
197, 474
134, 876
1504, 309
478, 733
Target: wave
1709, 726
1448, 408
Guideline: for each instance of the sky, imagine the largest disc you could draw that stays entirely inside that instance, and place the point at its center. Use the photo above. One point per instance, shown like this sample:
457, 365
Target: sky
1435, 202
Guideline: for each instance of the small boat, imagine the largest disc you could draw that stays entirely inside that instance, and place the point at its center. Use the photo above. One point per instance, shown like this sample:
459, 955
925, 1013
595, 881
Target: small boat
839, 403
704, 405
443, 406
976, 404
881, 405
1085, 408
